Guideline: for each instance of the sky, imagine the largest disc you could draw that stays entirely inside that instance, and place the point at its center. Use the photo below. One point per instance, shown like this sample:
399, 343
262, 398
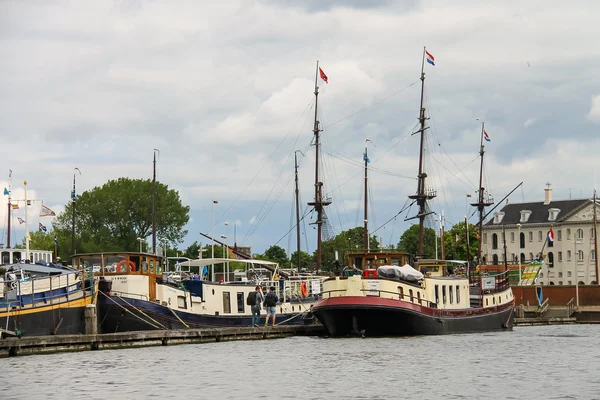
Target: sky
224, 90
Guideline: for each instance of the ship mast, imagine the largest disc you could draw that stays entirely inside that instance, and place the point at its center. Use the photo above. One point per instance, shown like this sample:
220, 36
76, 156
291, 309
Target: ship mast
366, 229
422, 195
297, 193
318, 203
595, 239
9, 207
154, 203
482, 200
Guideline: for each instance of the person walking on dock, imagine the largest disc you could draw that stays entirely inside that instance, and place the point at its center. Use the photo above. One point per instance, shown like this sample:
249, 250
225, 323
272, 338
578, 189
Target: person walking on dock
271, 304
254, 300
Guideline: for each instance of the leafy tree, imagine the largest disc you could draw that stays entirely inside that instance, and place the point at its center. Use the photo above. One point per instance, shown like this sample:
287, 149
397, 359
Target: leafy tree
409, 241
455, 243
192, 252
305, 259
113, 216
276, 254
350, 240
40, 241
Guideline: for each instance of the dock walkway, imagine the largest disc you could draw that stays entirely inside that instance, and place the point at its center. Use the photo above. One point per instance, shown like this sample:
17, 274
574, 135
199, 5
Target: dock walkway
11, 347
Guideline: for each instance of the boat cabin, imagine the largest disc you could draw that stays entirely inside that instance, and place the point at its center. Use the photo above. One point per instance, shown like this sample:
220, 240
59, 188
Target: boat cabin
372, 260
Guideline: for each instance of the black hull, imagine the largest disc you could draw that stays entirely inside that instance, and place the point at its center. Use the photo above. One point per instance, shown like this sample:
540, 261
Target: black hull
139, 315
60, 321
383, 321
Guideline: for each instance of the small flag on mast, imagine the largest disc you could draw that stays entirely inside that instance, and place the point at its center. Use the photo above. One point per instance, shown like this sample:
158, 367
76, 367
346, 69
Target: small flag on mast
486, 137
5, 191
430, 58
42, 228
323, 76
47, 212
21, 220
458, 239
550, 236
15, 206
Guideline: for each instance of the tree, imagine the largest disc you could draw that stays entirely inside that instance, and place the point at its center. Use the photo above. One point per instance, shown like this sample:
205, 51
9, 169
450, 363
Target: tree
409, 241
455, 243
192, 252
41, 241
350, 240
113, 216
305, 259
276, 254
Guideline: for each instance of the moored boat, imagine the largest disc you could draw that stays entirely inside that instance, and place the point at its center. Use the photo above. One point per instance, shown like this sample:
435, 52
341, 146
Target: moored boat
136, 294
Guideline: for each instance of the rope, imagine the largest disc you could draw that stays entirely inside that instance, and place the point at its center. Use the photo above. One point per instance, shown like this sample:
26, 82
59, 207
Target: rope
177, 316
129, 311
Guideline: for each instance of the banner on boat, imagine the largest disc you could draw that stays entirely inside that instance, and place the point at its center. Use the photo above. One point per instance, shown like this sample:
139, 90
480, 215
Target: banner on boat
47, 212
488, 282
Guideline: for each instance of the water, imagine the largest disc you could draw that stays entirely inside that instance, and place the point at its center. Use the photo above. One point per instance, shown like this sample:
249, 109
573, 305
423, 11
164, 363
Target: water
552, 362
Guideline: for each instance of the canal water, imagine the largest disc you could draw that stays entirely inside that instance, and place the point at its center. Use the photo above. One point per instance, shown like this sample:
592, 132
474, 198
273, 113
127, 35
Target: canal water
551, 362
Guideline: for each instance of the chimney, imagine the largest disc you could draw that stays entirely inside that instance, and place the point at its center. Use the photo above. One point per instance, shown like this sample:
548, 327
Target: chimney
547, 194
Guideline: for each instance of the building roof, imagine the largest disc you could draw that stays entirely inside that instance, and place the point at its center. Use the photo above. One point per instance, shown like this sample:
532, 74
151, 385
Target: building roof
539, 211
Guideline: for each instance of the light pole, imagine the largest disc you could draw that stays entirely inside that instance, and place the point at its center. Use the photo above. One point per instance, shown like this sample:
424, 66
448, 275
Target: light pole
213, 228
141, 241
468, 257
519, 226
225, 270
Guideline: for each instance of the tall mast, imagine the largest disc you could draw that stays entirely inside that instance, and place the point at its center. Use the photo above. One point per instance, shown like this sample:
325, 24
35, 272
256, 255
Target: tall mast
154, 203
73, 200
318, 203
297, 210
482, 200
596, 239
366, 229
9, 207
422, 195
442, 235
26, 226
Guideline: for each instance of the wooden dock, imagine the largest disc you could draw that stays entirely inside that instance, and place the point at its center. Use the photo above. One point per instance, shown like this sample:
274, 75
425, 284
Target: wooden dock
11, 347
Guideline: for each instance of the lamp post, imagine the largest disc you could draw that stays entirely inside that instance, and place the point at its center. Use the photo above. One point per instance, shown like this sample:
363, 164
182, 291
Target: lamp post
141, 241
224, 238
213, 227
226, 247
519, 227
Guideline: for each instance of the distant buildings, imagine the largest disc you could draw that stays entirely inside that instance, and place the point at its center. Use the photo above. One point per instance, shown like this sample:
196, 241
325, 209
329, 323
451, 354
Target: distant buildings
569, 259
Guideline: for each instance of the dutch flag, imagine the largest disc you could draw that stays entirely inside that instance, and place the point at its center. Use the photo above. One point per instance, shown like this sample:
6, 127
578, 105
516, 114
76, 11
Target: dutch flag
430, 58
486, 137
550, 236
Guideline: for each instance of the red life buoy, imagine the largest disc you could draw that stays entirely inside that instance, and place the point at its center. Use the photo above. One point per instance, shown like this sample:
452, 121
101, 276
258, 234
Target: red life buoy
121, 266
303, 289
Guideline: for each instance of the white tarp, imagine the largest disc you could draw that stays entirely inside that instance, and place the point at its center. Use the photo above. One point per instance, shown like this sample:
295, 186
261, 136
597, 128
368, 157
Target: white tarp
405, 272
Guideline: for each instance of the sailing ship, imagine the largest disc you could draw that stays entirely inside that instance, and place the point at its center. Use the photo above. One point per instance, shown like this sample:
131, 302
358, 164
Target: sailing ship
383, 300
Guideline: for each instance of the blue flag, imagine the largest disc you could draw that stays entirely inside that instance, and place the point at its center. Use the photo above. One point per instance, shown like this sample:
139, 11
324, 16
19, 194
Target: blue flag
5, 191
366, 158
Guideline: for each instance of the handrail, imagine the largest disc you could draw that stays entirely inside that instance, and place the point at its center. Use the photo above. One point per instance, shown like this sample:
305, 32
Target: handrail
544, 307
413, 299
142, 296
570, 307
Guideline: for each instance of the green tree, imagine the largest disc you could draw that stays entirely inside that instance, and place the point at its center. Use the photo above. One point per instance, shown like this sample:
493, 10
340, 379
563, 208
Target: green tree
192, 252
455, 243
305, 259
40, 241
276, 254
350, 240
113, 216
409, 241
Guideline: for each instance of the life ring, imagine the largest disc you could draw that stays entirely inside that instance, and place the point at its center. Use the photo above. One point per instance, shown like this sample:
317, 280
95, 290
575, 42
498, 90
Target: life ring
121, 266
303, 289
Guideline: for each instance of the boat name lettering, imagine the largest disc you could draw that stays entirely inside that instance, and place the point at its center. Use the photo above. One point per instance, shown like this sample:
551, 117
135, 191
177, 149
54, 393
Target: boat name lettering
372, 287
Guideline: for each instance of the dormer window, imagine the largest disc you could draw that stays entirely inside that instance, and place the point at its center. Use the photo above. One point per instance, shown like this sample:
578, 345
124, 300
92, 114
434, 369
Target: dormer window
525, 216
553, 214
498, 217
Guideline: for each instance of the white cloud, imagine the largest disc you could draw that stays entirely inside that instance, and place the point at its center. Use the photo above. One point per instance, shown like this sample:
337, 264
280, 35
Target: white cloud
594, 113
530, 122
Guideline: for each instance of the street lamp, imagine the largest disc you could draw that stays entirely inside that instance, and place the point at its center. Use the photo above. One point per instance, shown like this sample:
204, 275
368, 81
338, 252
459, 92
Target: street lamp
141, 241
225, 271
213, 227
519, 226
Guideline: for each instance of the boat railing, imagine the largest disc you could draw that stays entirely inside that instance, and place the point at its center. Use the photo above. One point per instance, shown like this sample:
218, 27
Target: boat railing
570, 307
295, 289
390, 295
488, 284
544, 307
42, 291
129, 295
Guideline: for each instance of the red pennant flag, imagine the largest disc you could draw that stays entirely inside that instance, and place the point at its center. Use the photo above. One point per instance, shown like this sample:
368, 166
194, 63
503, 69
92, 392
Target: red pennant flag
323, 76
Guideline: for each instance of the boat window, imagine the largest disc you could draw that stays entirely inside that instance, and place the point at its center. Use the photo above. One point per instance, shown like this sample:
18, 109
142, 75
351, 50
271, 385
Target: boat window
437, 294
401, 292
493, 300
158, 267
451, 294
444, 294
419, 297
457, 294
226, 303
240, 302
151, 266
181, 302
410, 293
487, 303
429, 268
144, 263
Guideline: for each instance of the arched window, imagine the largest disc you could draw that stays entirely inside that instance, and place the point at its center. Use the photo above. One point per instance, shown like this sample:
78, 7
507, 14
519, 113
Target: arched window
551, 259
522, 240
530, 256
593, 255
579, 234
494, 241
581, 283
495, 259
592, 234
551, 283
522, 258
579, 255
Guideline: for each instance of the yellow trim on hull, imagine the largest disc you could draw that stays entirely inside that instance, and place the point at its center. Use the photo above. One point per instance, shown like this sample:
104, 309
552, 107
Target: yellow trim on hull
80, 302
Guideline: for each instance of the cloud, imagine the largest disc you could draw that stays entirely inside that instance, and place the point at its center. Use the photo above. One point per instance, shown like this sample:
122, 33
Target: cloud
594, 113
529, 122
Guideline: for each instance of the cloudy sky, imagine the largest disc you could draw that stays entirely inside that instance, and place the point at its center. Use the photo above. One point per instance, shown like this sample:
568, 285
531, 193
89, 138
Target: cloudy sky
225, 91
